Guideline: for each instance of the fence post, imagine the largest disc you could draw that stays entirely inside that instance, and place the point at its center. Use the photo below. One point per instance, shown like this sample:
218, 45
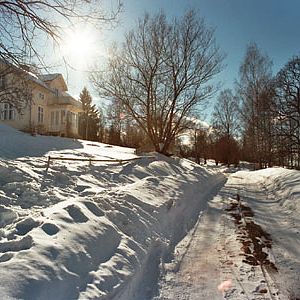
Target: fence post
48, 163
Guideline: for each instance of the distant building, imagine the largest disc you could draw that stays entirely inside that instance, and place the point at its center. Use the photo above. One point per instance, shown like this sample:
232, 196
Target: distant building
47, 107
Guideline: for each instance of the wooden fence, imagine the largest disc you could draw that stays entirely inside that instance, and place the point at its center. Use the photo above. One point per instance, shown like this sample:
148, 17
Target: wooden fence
90, 160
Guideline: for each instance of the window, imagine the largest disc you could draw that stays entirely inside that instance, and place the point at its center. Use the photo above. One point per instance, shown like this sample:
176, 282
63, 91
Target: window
7, 112
41, 96
56, 92
76, 120
72, 118
40, 114
52, 118
62, 116
57, 117
2, 82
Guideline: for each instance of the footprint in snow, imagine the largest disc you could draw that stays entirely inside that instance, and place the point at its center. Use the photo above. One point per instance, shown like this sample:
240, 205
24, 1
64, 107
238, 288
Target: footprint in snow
16, 245
92, 207
50, 229
81, 188
24, 226
76, 214
7, 216
6, 257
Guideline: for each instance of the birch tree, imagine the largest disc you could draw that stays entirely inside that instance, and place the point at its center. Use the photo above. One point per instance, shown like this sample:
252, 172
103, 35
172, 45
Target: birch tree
255, 92
287, 109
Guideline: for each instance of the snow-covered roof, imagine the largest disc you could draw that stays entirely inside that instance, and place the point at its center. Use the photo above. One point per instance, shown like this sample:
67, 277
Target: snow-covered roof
49, 77
35, 78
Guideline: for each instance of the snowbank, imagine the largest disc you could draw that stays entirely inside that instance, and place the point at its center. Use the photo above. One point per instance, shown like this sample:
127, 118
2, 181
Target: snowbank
90, 232
283, 183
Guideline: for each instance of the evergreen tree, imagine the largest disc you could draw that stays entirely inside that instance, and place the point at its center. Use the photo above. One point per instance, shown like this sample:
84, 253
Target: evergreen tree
89, 118
115, 116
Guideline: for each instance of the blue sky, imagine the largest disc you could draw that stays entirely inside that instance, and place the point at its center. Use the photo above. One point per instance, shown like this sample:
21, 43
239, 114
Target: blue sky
273, 24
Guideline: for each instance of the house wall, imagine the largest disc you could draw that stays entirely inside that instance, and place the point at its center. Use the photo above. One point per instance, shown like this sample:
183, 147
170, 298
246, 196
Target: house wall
21, 120
48, 112
39, 108
35, 115
63, 120
10, 94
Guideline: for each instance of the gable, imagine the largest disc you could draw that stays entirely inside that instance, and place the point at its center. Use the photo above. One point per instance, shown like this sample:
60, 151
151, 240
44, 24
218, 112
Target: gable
55, 81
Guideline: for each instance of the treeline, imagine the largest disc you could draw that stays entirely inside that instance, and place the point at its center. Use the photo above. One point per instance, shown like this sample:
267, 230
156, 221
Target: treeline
157, 80
113, 125
258, 121
109, 124
262, 114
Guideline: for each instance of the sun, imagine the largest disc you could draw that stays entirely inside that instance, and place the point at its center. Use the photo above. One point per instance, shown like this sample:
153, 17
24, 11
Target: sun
80, 46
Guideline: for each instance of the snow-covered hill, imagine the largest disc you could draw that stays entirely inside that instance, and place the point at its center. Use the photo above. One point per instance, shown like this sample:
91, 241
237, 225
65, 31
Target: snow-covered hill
80, 231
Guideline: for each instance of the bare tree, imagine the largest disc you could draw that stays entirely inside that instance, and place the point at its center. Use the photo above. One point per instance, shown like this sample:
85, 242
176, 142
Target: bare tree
115, 114
201, 144
226, 114
255, 91
162, 73
226, 150
287, 110
15, 90
226, 126
22, 23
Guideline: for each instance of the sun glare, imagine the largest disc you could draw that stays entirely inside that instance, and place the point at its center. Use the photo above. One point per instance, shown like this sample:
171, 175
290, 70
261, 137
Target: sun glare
80, 47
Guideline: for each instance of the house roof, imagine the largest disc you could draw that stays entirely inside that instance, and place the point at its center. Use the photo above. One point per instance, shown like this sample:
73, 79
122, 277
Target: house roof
49, 77
42, 81
36, 79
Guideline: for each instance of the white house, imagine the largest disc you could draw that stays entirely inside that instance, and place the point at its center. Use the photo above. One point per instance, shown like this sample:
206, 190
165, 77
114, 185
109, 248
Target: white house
49, 109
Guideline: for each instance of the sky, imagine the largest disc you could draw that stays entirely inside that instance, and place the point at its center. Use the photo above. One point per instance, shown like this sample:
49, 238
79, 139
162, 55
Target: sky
272, 24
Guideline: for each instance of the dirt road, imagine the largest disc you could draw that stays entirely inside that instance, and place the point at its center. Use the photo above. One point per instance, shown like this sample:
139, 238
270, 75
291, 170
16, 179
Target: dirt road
210, 262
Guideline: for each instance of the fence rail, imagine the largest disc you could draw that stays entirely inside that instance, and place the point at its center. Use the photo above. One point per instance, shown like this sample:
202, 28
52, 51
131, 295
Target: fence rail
90, 160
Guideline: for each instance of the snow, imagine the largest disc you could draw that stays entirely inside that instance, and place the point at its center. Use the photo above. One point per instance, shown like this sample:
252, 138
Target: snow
150, 228
212, 255
80, 231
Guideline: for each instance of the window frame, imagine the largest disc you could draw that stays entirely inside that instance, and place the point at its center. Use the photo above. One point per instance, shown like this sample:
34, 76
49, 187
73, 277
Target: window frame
40, 114
7, 112
2, 82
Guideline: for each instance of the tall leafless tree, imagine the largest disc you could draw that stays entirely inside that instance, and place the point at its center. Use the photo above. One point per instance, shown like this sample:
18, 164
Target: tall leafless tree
226, 127
255, 91
161, 73
226, 114
201, 144
287, 101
